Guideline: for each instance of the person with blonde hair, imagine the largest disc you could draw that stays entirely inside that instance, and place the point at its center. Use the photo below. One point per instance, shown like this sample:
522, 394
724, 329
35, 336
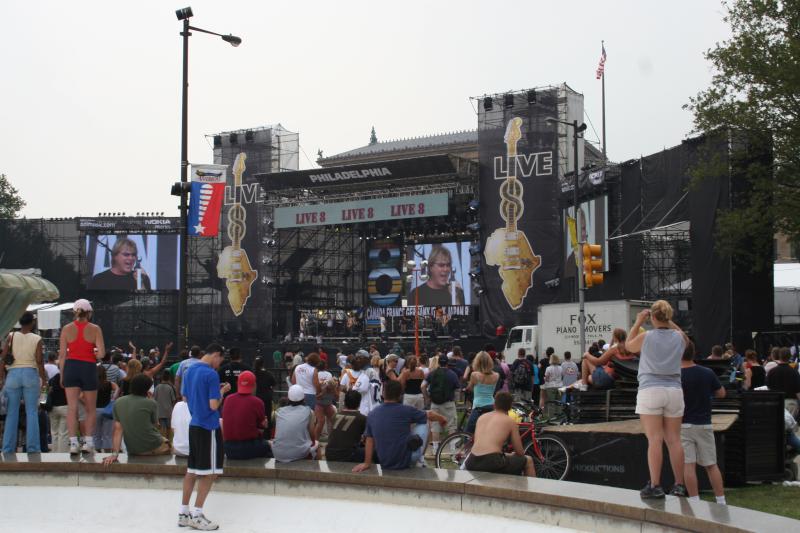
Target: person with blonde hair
659, 402
482, 382
81, 345
125, 270
553, 378
439, 289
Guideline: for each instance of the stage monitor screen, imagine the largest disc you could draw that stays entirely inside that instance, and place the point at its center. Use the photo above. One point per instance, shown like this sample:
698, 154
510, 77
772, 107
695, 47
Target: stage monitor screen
133, 262
447, 272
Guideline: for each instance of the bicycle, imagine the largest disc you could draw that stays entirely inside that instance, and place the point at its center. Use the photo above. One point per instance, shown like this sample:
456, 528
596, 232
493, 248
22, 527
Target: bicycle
551, 457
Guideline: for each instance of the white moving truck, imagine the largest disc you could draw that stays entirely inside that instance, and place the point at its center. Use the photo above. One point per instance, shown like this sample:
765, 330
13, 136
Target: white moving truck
558, 327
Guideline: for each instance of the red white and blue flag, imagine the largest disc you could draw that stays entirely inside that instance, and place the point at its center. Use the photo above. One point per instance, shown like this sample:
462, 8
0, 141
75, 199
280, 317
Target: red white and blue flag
601, 67
207, 194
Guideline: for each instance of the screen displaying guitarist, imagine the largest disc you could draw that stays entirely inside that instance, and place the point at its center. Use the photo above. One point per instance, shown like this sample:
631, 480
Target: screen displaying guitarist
508, 248
234, 265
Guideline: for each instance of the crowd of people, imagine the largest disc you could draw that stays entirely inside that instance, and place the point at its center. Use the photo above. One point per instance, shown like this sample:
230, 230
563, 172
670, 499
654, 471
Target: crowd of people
366, 408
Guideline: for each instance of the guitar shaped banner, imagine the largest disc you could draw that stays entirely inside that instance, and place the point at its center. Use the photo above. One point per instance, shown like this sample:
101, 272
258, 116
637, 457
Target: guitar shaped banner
508, 248
234, 265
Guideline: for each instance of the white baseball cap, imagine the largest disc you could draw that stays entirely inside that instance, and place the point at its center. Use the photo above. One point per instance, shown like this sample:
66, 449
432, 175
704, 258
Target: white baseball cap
296, 393
82, 305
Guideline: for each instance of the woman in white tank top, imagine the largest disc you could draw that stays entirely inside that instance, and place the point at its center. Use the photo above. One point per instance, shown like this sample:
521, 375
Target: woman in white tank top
25, 378
659, 402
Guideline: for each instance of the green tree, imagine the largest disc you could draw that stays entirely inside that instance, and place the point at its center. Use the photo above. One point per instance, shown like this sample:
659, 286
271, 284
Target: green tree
10, 200
755, 98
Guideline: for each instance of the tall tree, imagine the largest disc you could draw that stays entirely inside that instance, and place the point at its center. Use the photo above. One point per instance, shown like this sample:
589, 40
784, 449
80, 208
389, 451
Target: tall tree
10, 200
755, 98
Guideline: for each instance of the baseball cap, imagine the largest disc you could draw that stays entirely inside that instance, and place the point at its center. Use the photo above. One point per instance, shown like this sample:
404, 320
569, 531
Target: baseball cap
296, 393
246, 383
362, 353
82, 305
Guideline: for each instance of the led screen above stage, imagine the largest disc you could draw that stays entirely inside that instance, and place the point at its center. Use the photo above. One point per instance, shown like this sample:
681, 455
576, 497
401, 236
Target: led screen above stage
133, 262
324, 214
448, 269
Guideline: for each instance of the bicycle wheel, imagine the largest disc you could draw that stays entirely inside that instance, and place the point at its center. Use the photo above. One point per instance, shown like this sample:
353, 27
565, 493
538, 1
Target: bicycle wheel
555, 460
454, 450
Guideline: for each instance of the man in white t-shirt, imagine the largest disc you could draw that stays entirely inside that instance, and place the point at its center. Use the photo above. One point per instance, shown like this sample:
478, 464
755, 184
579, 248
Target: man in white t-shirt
569, 370
180, 428
51, 367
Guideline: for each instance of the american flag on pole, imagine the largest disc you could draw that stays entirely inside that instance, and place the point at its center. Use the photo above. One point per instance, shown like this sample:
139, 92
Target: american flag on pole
601, 67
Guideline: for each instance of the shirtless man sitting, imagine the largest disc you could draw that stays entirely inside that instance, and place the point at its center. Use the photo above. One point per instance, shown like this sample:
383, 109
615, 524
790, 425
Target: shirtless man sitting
491, 433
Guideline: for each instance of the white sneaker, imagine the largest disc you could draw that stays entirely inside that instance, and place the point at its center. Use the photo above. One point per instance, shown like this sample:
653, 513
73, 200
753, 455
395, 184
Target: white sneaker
202, 523
184, 520
74, 449
87, 449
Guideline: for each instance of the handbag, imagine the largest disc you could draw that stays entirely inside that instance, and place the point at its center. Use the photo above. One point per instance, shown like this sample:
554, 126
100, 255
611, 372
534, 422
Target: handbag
8, 360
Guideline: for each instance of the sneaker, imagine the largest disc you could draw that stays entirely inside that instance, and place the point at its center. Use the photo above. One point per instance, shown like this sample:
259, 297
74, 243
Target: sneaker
679, 490
649, 492
85, 448
74, 449
202, 523
184, 520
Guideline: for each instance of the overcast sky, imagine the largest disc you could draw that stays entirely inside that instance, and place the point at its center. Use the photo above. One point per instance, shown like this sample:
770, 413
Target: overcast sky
90, 91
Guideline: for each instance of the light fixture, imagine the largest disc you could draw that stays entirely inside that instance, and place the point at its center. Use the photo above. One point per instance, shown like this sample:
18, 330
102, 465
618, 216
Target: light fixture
475, 226
184, 13
508, 100
487, 103
475, 248
531, 96
234, 40
473, 206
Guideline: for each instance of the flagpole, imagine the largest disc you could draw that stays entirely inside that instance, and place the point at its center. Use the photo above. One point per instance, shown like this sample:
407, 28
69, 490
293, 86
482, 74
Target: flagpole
605, 157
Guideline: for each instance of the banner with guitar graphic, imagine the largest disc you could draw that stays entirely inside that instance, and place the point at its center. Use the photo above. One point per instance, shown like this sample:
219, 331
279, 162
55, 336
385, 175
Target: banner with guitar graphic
205, 204
521, 239
234, 264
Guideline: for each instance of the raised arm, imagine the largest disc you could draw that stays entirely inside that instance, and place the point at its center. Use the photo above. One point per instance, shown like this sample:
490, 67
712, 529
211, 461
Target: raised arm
635, 336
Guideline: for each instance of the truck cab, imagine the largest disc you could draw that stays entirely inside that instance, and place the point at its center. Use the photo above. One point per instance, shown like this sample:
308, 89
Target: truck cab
521, 337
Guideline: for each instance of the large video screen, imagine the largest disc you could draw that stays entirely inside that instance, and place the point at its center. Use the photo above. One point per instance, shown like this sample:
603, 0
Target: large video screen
133, 262
448, 281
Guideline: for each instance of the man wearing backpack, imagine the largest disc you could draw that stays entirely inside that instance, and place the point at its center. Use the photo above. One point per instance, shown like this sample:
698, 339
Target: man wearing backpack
440, 387
521, 376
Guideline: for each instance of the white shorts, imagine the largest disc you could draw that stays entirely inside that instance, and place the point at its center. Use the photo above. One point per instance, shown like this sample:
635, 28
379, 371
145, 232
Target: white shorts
662, 401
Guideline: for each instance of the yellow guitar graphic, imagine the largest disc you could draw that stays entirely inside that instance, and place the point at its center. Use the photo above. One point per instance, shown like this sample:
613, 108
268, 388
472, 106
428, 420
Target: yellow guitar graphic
508, 248
234, 265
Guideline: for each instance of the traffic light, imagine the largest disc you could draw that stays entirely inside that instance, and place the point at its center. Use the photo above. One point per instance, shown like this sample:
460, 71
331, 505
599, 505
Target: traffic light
592, 264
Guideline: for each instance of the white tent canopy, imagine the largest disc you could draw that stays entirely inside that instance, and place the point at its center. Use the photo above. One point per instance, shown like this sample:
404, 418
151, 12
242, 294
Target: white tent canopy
50, 317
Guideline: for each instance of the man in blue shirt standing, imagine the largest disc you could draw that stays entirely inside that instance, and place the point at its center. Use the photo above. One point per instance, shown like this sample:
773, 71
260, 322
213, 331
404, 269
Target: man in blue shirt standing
203, 393
389, 431
699, 384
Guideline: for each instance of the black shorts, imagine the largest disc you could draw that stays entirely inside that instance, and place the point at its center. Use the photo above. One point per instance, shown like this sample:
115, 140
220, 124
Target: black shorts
206, 451
498, 463
81, 374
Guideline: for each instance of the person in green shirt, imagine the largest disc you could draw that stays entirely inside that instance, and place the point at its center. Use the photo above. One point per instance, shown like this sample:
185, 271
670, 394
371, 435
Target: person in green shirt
277, 356
136, 418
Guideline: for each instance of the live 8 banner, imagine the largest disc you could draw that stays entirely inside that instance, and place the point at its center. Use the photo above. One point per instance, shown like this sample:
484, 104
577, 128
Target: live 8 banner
520, 230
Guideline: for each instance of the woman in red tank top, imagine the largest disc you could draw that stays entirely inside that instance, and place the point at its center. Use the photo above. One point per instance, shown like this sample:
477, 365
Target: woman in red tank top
80, 347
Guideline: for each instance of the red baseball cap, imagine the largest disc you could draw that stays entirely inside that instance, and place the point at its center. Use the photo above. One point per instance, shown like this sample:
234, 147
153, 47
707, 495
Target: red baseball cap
246, 383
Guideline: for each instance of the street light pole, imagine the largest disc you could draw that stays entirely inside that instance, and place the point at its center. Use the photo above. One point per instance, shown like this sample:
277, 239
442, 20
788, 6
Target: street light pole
418, 276
183, 327
184, 14
579, 251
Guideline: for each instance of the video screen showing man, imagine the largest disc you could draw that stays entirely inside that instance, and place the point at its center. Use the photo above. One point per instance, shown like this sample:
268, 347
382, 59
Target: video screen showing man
125, 270
441, 287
